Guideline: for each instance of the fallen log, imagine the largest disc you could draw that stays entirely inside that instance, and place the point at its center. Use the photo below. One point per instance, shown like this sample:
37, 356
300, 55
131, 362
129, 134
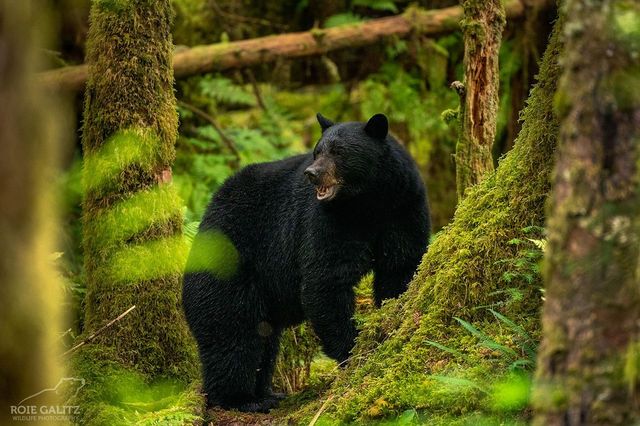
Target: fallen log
244, 53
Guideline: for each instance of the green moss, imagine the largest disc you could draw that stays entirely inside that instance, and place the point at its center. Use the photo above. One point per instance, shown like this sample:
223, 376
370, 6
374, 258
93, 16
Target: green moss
130, 83
549, 397
561, 103
115, 395
625, 87
318, 34
132, 216
215, 253
154, 259
417, 15
450, 116
462, 270
632, 366
124, 148
625, 25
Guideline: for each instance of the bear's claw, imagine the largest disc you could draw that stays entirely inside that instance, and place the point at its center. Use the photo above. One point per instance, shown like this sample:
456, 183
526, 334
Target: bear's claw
261, 406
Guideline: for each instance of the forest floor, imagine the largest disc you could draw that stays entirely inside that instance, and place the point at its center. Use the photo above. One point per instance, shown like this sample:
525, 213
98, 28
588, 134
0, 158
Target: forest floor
220, 417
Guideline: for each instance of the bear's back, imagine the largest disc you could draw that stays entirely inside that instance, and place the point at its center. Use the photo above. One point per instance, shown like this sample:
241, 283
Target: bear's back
255, 206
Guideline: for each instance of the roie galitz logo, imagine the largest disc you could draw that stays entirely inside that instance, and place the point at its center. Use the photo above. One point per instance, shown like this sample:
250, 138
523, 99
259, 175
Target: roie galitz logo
30, 410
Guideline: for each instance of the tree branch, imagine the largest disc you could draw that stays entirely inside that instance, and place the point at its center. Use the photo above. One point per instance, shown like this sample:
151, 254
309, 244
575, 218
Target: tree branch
231, 146
100, 330
244, 53
256, 89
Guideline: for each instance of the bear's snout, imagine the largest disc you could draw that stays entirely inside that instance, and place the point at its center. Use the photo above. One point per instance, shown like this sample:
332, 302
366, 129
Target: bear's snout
313, 174
322, 175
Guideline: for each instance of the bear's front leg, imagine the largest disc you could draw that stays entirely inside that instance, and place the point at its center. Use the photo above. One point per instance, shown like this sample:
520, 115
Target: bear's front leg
398, 253
327, 294
330, 309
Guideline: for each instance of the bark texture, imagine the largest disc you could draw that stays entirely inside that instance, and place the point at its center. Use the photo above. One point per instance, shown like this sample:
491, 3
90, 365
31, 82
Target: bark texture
589, 358
244, 53
482, 27
132, 219
29, 290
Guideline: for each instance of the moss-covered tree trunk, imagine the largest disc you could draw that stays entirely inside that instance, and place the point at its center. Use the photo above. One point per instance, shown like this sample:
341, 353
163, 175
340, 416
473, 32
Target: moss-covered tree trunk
482, 27
590, 355
479, 261
29, 290
132, 219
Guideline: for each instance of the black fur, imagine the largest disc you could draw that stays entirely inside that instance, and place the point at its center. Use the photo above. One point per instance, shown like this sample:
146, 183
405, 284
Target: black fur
300, 258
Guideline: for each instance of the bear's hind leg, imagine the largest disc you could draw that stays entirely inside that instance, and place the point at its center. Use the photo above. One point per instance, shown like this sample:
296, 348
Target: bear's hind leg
229, 370
271, 342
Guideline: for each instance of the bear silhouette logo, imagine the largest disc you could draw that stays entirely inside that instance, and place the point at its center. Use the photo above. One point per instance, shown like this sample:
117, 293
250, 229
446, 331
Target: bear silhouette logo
67, 386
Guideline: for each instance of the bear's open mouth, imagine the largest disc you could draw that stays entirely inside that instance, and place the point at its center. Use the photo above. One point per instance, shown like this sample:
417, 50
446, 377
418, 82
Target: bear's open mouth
326, 192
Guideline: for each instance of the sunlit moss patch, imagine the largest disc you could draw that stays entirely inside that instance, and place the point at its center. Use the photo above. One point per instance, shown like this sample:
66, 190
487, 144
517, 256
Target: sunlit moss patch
213, 252
146, 261
122, 149
134, 215
114, 395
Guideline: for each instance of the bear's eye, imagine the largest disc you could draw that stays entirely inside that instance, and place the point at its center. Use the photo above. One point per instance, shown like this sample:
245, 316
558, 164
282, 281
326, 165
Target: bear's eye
336, 149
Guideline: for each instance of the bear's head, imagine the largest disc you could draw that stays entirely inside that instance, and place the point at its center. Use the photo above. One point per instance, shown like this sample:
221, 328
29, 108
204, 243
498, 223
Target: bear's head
347, 157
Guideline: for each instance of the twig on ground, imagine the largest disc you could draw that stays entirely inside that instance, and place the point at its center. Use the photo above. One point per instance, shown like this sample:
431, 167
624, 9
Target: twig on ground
320, 411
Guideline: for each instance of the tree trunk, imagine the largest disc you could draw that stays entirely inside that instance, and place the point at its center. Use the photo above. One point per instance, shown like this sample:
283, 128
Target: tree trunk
134, 253
590, 354
482, 27
29, 290
244, 53
393, 364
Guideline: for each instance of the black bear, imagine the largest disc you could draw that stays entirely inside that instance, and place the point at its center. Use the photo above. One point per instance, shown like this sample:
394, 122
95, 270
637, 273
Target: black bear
287, 241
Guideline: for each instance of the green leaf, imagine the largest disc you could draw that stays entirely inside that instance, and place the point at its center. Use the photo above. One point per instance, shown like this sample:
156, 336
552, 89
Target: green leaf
541, 244
342, 19
190, 230
446, 349
225, 91
512, 325
385, 5
471, 329
406, 418
485, 340
533, 228
522, 364
458, 382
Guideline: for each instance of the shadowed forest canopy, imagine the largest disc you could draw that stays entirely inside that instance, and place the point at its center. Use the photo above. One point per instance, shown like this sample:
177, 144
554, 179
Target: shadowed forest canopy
523, 309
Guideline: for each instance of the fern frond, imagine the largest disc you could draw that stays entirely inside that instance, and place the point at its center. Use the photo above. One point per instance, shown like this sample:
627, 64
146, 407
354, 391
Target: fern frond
226, 92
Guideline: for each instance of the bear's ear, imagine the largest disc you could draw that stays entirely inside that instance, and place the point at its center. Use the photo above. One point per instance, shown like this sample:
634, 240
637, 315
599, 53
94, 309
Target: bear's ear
377, 126
325, 123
